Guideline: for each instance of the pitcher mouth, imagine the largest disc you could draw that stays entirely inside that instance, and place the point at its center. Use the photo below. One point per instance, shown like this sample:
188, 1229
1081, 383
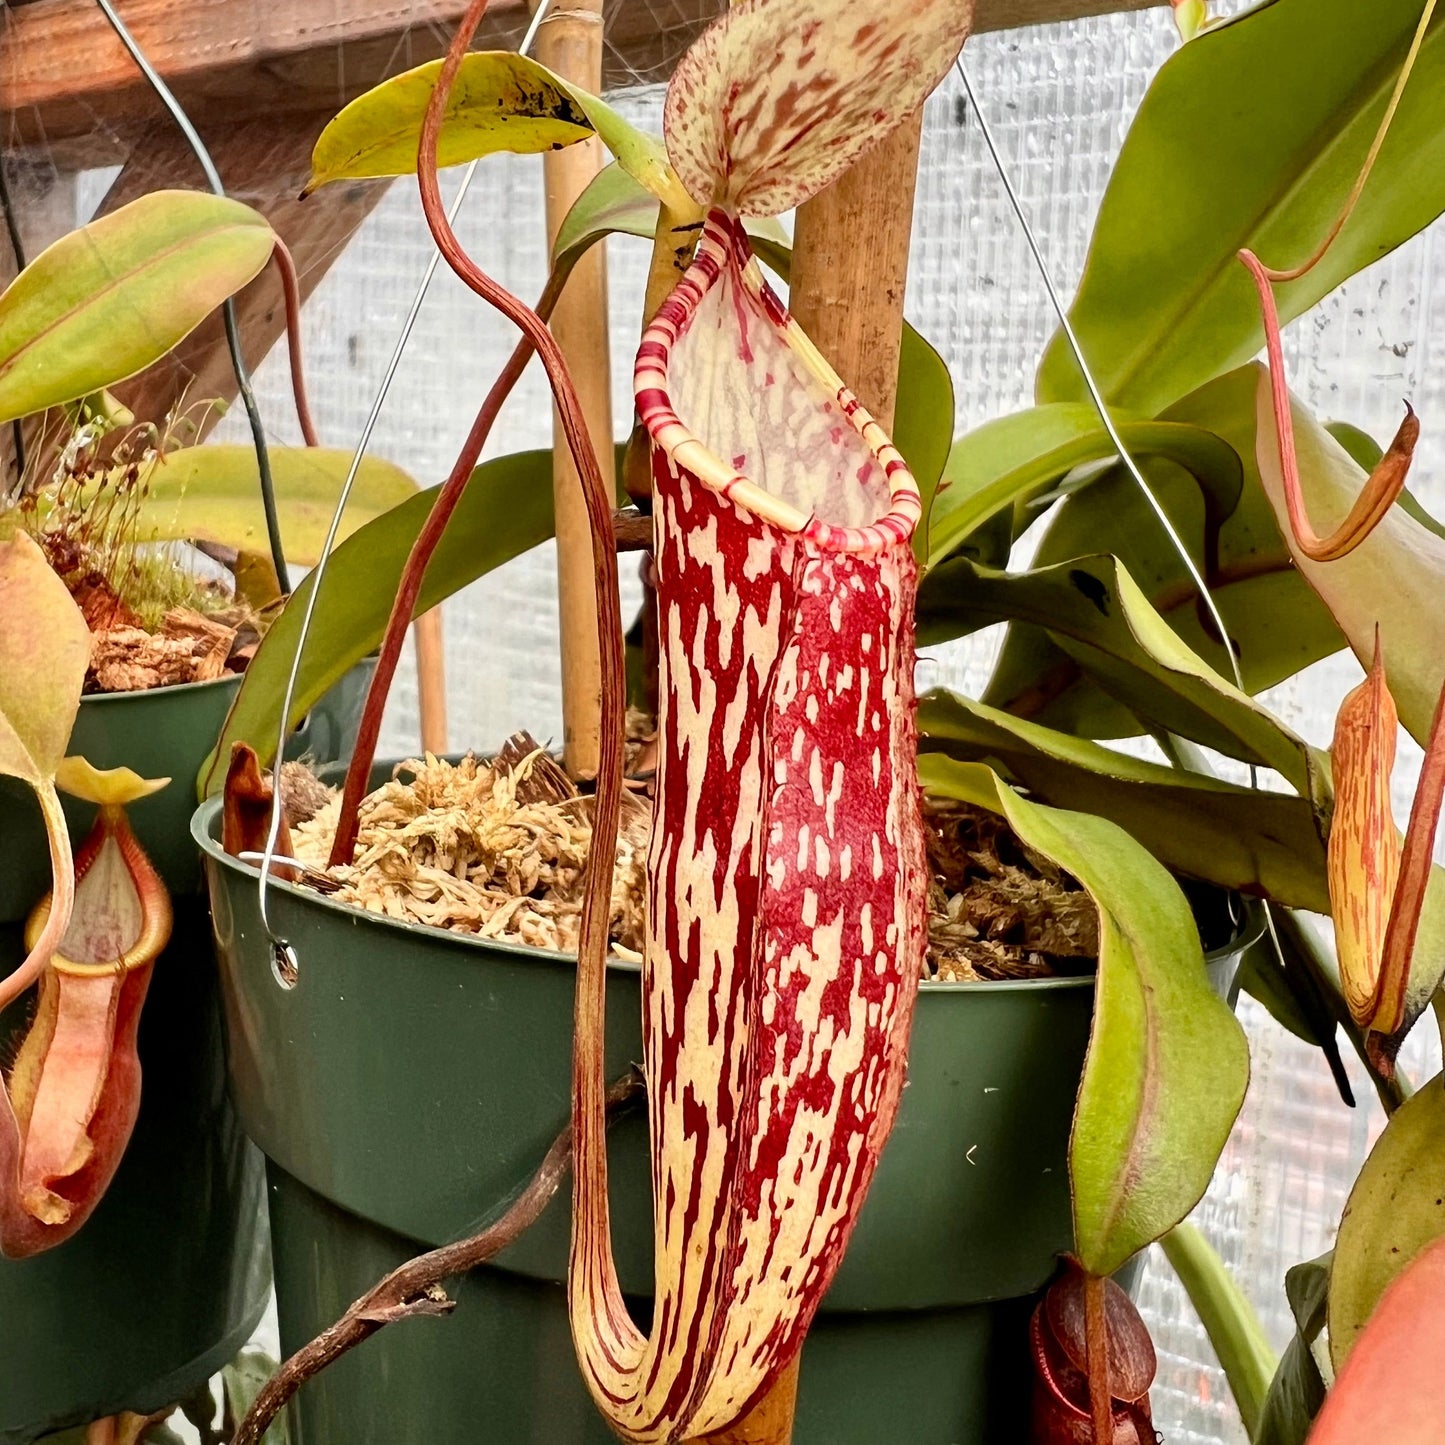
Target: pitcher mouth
723, 249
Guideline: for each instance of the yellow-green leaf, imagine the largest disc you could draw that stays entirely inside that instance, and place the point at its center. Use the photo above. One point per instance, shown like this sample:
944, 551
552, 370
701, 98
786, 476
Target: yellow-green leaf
109, 299
505, 510
212, 494
44, 651
1396, 1208
500, 101
1167, 1064
105, 787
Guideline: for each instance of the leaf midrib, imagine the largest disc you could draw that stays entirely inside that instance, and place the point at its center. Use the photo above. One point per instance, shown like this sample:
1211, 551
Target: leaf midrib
1137, 362
156, 259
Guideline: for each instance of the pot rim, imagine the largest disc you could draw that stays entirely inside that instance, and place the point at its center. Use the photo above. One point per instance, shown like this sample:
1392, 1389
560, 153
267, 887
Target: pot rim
206, 817
170, 689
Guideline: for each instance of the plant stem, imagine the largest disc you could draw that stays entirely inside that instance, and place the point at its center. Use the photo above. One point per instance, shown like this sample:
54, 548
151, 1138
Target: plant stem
1228, 1319
1096, 1337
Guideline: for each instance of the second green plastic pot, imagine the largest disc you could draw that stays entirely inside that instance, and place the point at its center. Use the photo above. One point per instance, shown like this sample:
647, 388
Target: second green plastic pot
168, 1278
410, 1081
163, 733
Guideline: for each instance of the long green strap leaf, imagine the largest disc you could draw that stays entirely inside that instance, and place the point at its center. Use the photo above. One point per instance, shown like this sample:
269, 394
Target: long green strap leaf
1167, 1064
1237, 838
506, 510
1251, 135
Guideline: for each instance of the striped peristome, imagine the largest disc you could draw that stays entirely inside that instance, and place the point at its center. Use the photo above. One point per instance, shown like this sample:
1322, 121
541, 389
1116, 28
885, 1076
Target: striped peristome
786, 906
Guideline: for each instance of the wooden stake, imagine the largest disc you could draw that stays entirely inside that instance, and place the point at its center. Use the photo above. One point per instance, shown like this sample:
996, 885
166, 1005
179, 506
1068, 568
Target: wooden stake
570, 43
850, 265
431, 680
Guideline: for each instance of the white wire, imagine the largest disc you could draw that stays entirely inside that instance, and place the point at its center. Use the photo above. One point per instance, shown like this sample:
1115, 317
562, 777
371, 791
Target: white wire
283, 954
1125, 456
1175, 540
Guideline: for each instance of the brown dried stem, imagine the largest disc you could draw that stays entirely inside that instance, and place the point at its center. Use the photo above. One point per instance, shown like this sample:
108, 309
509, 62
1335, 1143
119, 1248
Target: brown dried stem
413, 575
291, 290
414, 1289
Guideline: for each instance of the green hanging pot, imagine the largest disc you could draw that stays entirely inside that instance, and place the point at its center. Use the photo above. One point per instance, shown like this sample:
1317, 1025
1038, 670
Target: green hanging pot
168, 1278
156, 733
409, 1082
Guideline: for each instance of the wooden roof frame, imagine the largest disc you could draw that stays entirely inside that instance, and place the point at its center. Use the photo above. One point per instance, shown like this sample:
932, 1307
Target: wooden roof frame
67, 84
260, 78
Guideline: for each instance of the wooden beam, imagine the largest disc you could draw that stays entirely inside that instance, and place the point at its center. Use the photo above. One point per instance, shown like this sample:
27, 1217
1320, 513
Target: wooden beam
67, 84
264, 163
44, 204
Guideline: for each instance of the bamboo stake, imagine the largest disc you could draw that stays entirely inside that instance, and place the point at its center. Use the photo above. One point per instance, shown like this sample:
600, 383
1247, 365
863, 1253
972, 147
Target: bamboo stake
850, 263
850, 266
570, 43
431, 680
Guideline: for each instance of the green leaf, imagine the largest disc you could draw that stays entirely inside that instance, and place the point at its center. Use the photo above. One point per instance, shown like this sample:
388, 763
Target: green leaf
1251, 135
613, 204
1276, 623
506, 510
1298, 1390
1007, 464
1259, 843
1228, 1318
500, 101
923, 419
44, 652
241, 1381
1396, 1208
1092, 610
1392, 581
107, 300
1167, 1063
212, 493
1363, 449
